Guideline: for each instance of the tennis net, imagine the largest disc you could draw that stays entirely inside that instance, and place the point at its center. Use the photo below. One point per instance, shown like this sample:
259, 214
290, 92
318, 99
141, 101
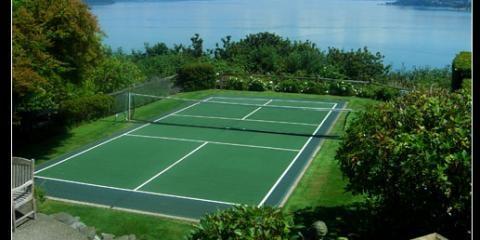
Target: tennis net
292, 117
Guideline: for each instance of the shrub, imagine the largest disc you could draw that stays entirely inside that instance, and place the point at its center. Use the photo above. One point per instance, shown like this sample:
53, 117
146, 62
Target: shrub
256, 85
39, 194
385, 93
235, 83
461, 69
412, 155
290, 86
341, 89
85, 108
196, 76
244, 222
313, 87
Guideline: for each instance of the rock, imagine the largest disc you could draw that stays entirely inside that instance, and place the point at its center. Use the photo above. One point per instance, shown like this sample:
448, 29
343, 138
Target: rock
132, 237
78, 225
64, 218
107, 236
124, 237
97, 237
89, 232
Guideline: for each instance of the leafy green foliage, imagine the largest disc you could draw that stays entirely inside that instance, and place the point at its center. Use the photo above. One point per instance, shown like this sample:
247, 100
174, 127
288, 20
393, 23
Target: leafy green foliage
290, 86
256, 85
461, 69
412, 155
244, 222
196, 76
54, 44
358, 65
115, 73
85, 108
39, 194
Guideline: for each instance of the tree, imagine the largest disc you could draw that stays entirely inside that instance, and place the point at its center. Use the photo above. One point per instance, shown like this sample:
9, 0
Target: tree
413, 155
244, 222
115, 73
54, 44
196, 76
358, 65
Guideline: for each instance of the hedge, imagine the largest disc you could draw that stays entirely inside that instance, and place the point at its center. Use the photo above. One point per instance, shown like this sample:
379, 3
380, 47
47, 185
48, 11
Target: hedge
461, 69
85, 108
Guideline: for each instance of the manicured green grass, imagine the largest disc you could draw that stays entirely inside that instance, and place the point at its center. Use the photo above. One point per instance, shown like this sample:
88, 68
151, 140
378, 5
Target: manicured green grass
322, 183
145, 227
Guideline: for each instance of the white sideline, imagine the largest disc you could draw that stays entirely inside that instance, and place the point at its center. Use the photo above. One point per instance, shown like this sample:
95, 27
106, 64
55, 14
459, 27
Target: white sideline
168, 168
295, 159
248, 120
254, 111
213, 142
130, 190
119, 136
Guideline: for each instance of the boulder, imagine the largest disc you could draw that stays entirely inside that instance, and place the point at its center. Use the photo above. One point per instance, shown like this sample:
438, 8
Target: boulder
89, 232
123, 237
64, 218
107, 236
78, 225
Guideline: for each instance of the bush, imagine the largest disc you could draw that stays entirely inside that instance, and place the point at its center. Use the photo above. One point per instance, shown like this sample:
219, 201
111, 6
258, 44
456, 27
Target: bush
256, 85
39, 194
86, 108
412, 155
244, 222
461, 69
235, 83
385, 93
290, 86
341, 89
196, 76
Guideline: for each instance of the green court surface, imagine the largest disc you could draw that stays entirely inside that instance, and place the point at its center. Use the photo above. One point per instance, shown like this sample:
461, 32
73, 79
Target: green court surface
208, 155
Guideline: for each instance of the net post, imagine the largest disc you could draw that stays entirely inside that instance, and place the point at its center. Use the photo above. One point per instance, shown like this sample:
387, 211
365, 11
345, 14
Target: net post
129, 95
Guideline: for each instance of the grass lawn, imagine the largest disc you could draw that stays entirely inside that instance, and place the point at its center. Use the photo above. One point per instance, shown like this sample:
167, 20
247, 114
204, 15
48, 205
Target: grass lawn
322, 184
121, 223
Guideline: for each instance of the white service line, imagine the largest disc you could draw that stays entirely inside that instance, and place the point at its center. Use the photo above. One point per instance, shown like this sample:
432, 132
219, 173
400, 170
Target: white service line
130, 190
169, 167
119, 136
213, 142
248, 120
295, 159
254, 111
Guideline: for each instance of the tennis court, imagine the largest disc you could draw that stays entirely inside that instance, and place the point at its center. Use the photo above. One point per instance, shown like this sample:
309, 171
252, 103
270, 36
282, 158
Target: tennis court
207, 155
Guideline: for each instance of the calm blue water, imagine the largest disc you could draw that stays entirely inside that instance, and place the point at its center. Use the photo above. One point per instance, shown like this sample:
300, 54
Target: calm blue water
405, 35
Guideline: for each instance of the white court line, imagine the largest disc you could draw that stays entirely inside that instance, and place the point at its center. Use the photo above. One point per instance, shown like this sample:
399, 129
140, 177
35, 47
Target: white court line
295, 159
274, 99
119, 136
213, 142
254, 111
130, 190
169, 167
248, 120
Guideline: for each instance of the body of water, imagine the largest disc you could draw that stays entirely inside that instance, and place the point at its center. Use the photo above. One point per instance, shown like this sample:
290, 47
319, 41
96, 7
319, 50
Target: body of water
407, 36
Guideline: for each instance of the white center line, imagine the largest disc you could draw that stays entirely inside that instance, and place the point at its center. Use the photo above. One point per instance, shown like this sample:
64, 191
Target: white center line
119, 136
166, 169
213, 142
254, 111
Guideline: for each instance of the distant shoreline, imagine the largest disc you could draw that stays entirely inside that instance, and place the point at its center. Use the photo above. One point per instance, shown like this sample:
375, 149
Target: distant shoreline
432, 4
